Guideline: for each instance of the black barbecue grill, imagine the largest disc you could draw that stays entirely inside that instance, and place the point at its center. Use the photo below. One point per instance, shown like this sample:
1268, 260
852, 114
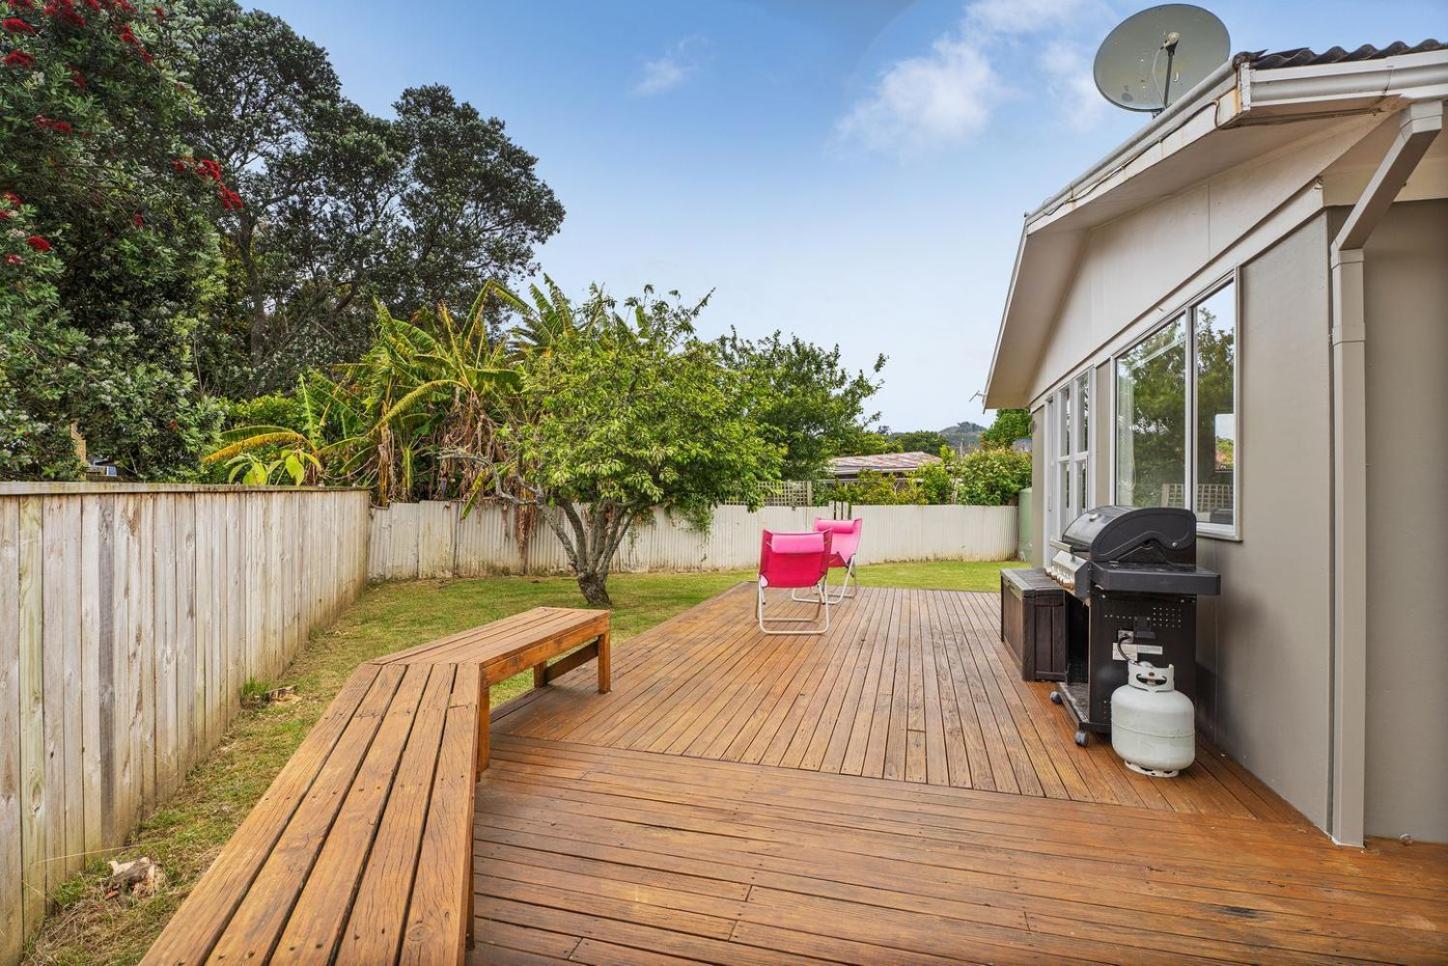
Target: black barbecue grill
1133, 582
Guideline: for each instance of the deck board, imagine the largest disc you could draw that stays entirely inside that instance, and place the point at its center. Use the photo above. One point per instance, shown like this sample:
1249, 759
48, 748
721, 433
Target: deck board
893, 792
908, 685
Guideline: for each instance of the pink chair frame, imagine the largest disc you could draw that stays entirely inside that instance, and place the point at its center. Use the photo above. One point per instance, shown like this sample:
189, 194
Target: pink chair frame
846, 547
794, 561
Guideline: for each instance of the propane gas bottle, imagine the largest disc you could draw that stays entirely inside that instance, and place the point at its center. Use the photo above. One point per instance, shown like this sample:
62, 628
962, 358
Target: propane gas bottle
1152, 724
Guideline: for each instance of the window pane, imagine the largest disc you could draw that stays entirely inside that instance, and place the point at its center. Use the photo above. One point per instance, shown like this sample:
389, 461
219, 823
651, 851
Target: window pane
1216, 457
1063, 434
1151, 420
1083, 496
1083, 403
1063, 487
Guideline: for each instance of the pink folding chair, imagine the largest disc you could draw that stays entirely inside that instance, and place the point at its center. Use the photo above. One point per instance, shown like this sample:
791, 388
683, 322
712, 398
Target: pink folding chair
845, 543
793, 561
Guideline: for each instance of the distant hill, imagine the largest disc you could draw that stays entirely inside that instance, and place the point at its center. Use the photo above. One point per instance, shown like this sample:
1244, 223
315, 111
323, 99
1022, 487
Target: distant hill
963, 434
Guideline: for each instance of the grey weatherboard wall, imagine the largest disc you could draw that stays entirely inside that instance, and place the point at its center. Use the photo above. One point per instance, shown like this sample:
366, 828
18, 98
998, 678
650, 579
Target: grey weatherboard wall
1264, 645
1407, 391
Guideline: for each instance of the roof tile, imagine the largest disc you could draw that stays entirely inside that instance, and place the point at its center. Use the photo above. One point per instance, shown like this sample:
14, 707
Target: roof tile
1306, 56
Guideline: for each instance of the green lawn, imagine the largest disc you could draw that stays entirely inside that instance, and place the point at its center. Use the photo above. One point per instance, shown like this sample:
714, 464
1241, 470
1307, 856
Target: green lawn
938, 574
185, 834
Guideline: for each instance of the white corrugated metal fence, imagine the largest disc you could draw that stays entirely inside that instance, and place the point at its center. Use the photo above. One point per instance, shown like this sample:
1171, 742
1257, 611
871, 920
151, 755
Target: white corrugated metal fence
434, 539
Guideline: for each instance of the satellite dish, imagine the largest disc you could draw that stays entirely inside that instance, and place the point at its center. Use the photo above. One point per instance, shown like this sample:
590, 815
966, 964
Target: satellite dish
1159, 52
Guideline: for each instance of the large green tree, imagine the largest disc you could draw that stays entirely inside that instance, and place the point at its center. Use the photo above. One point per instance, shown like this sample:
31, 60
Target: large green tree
804, 398
109, 249
345, 208
1009, 425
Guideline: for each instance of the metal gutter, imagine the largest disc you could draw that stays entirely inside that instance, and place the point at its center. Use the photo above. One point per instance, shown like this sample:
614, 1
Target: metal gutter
1361, 85
1422, 76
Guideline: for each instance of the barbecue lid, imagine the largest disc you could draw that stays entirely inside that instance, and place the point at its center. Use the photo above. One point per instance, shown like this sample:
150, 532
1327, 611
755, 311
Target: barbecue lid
1113, 532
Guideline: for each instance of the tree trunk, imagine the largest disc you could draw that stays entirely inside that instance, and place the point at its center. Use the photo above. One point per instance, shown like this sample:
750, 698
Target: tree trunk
595, 589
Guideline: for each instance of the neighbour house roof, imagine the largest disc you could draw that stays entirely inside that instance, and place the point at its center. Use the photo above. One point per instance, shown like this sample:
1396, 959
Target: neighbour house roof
1253, 105
880, 463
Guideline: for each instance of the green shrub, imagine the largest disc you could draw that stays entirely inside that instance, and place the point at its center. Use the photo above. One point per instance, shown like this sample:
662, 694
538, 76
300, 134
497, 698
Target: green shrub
877, 489
991, 477
273, 409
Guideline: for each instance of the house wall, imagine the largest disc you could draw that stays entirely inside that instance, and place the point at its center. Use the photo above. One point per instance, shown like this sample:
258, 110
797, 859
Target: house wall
1264, 645
1406, 283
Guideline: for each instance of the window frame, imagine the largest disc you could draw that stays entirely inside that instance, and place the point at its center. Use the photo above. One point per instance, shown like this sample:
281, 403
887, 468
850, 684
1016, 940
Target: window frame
1186, 310
1076, 458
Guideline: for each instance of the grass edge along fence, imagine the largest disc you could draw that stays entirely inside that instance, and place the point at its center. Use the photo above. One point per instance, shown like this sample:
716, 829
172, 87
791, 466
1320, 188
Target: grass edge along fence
130, 618
409, 541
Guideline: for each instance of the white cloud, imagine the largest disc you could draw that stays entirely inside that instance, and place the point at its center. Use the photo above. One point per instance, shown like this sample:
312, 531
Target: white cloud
946, 97
1021, 16
1067, 70
942, 98
675, 66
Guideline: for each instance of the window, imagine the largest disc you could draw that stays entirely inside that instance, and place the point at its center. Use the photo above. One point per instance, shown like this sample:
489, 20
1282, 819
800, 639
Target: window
1069, 481
1176, 423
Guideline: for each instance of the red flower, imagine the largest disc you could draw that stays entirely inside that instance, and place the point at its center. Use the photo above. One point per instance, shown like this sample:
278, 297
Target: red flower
13, 198
126, 35
52, 124
14, 260
208, 168
77, 78
23, 4
94, 5
146, 57
65, 10
17, 26
178, 165
137, 220
19, 58
230, 200
160, 14
4, 214
38, 243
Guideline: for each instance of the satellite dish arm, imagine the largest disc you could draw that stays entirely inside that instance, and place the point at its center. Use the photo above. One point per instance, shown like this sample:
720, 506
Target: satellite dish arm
1170, 46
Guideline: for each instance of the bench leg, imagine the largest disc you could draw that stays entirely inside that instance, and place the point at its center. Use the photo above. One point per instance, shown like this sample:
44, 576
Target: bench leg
605, 668
484, 716
540, 675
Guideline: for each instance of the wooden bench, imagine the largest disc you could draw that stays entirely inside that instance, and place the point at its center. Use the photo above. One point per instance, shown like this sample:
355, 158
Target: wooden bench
361, 849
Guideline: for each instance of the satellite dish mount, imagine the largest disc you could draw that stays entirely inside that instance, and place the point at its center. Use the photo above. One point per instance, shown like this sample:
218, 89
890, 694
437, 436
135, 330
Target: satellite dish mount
1128, 67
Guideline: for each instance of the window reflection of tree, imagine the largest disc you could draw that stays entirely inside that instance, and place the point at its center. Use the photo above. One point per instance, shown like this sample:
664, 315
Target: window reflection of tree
1151, 414
1215, 404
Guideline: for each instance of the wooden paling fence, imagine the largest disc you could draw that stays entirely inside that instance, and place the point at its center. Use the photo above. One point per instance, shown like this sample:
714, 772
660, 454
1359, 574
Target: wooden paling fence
434, 539
130, 618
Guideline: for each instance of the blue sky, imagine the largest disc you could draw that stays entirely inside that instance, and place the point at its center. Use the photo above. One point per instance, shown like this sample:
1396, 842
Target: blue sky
851, 170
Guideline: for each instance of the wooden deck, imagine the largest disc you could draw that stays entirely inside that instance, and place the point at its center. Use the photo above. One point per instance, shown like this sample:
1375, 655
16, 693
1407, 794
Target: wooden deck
892, 792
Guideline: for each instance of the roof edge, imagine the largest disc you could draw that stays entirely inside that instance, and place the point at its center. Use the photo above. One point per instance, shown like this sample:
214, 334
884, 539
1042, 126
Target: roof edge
1204, 91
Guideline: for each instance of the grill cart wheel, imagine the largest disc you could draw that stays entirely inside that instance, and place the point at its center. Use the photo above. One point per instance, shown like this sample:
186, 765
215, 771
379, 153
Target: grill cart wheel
1055, 697
1082, 738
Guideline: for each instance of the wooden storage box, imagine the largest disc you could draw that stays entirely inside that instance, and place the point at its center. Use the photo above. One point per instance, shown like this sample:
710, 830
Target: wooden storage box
1033, 623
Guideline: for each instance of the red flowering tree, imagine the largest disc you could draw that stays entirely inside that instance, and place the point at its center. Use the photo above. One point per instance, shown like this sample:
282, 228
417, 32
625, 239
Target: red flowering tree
107, 241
